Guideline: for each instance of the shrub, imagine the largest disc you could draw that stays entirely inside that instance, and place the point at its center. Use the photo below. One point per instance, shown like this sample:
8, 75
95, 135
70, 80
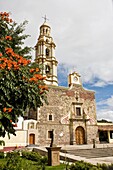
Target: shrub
13, 161
33, 156
81, 165
105, 167
1, 155
43, 162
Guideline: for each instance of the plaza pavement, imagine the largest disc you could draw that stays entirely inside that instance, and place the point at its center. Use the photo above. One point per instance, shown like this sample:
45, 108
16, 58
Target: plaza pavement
72, 158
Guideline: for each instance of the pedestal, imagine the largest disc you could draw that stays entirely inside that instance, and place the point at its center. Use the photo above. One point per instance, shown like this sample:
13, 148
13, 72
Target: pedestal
53, 156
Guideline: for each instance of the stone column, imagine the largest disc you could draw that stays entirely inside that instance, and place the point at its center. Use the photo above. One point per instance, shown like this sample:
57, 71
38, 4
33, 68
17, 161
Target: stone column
53, 156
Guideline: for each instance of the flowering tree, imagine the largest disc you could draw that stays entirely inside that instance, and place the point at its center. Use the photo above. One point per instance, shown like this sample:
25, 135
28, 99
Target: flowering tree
21, 84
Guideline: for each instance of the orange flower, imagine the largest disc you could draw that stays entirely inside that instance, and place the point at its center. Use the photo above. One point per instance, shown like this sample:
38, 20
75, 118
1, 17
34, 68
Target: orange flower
9, 109
33, 79
9, 66
2, 66
44, 78
37, 69
11, 121
43, 87
9, 50
0, 54
8, 38
7, 19
4, 109
11, 20
31, 70
38, 76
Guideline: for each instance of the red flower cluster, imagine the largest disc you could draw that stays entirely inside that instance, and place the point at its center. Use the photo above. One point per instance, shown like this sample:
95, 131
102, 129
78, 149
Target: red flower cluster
43, 87
8, 38
37, 77
5, 16
7, 109
14, 60
33, 70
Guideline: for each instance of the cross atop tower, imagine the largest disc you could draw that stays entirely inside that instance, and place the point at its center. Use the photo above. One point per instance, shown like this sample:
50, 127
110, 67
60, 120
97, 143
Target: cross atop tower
45, 18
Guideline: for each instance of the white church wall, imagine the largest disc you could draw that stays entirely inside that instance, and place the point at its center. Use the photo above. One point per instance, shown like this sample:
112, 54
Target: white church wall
19, 140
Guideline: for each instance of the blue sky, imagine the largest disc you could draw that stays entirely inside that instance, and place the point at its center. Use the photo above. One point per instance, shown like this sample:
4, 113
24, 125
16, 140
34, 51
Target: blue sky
103, 93
83, 33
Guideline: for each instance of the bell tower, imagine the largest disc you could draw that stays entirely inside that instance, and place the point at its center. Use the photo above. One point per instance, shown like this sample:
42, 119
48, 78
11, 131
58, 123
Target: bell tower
45, 54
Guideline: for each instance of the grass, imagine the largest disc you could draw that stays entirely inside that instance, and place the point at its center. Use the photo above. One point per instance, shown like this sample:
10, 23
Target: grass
60, 167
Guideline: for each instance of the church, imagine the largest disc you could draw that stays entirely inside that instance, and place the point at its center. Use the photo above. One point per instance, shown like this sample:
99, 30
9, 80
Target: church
71, 112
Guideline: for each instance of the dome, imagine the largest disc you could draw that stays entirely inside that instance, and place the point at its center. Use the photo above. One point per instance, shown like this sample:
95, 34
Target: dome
45, 24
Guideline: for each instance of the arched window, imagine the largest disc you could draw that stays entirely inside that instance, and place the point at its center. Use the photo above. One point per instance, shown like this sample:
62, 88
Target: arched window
47, 69
43, 30
47, 52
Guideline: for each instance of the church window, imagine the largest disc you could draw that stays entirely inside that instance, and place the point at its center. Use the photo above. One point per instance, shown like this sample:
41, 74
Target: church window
78, 111
50, 134
47, 52
50, 117
47, 69
31, 125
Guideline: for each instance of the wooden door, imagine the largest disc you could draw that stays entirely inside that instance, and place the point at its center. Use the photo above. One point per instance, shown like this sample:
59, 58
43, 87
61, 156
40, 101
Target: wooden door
32, 139
80, 135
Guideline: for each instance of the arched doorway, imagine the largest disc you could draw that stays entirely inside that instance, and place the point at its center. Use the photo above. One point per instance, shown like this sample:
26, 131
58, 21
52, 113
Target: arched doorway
32, 139
80, 135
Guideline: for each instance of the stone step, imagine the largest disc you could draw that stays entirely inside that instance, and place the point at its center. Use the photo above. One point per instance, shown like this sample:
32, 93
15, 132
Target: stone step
91, 153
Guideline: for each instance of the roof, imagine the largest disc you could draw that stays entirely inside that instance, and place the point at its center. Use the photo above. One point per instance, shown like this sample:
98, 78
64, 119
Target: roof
105, 127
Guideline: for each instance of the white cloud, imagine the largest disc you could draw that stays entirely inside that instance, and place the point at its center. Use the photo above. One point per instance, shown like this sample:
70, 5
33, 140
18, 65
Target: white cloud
105, 109
105, 114
82, 30
99, 84
108, 102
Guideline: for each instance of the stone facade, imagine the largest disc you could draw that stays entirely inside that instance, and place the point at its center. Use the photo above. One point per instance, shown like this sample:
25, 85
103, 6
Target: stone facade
69, 128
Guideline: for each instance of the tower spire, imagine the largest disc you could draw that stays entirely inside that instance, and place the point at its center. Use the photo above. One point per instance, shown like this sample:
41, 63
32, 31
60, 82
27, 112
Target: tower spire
45, 54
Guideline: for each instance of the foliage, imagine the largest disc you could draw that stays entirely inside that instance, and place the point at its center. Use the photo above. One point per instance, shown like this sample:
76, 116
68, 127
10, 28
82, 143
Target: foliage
81, 165
29, 160
1, 155
105, 167
104, 121
13, 161
2, 142
21, 84
33, 156
43, 162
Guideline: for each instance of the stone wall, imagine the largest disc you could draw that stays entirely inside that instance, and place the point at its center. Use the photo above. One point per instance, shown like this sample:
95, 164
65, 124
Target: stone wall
60, 104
